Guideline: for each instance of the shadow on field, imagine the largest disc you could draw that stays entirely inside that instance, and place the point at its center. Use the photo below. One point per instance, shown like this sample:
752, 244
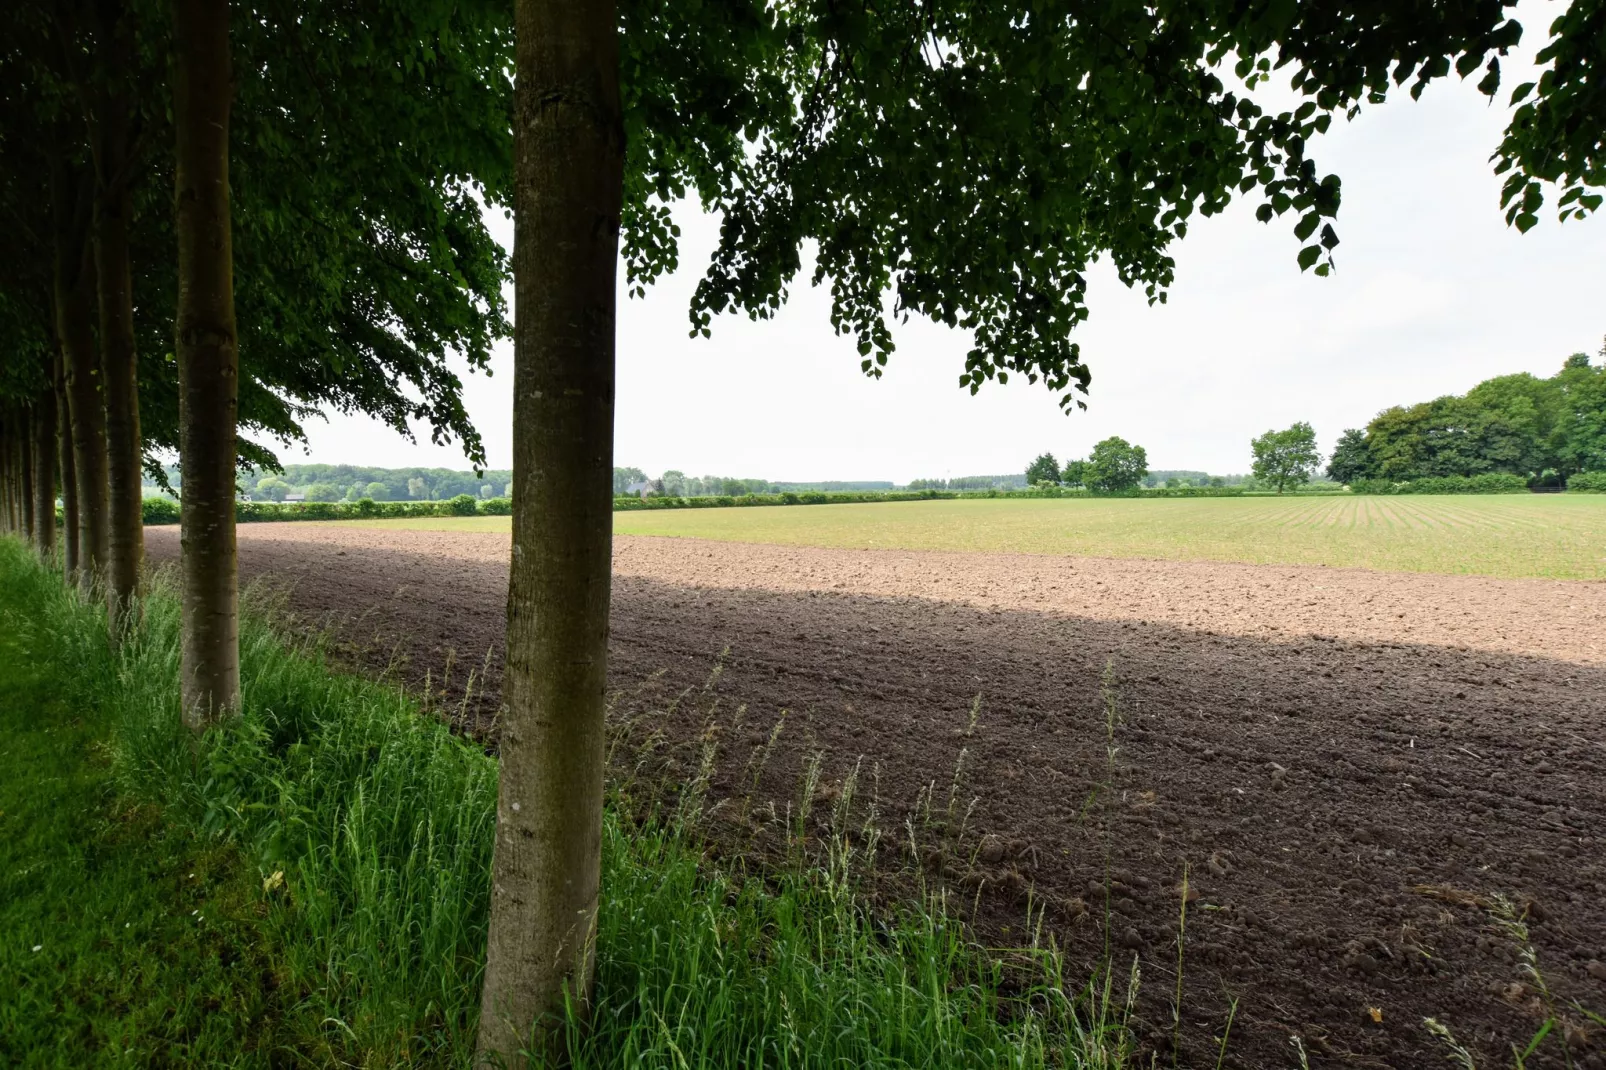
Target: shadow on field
1347, 812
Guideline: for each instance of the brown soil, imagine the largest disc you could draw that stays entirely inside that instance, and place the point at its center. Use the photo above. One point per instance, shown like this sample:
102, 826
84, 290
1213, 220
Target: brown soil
1352, 766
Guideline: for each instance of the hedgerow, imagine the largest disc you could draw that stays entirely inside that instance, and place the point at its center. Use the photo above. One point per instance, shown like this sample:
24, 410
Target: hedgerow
1486, 483
1588, 482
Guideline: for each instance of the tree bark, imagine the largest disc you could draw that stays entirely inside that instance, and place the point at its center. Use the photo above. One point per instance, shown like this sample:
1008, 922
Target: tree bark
74, 283
44, 474
25, 469
112, 133
69, 478
8, 511
569, 160
126, 532
208, 361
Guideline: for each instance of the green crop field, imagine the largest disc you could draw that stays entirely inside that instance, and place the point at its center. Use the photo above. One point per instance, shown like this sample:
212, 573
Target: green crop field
1559, 536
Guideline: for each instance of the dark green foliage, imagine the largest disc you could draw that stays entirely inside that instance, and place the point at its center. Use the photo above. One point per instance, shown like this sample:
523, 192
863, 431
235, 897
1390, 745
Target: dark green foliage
1075, 474
1540, 429
160, 511
462, 505
1487, 483
1115, 465
1588, 482
1286, 458
1045, 469
1557, 134
1350, 460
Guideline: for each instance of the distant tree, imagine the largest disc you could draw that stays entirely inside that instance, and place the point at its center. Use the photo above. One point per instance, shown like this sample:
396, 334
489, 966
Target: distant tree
417, 489
1218, 481
1286, 458
272, 488
1116, 465
1580, 432
928, 484
1351, 459
323, 492
487, 491
1045, 469
378, 492
623, 477
674, 482
733, 487
354, 492
1075, 474
507, 490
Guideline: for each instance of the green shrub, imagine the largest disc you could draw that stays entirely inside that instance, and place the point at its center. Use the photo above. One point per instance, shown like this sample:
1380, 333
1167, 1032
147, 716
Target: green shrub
366, 507
1485, 483
496, 507
462, 505
159, 511
1588, 482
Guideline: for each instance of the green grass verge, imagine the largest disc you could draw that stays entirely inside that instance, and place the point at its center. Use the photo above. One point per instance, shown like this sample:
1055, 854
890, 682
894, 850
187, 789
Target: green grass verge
340, 843
122, 939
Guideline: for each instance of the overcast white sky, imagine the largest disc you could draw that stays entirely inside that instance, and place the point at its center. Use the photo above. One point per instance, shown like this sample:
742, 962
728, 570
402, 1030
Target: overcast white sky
1432, 294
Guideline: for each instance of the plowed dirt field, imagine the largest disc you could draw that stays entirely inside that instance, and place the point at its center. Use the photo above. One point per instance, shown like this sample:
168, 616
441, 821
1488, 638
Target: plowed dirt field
1355, 767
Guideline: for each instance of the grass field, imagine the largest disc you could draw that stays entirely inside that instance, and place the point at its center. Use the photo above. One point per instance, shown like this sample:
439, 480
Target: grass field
1558, 536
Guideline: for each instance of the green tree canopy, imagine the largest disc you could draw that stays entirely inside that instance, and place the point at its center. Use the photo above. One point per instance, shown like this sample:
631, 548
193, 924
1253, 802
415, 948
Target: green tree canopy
1115, 465
1286, 458
1350, 460
1516, 424
1044, 469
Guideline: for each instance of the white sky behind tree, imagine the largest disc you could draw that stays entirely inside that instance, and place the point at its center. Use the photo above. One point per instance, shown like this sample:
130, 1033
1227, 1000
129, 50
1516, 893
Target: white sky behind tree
1432, 294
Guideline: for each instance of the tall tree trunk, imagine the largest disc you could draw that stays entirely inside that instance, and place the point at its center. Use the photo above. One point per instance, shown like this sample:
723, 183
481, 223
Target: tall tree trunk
44, 474
569, 153
112, 132
74, 283
126, 532
86, 402
25, 468
8, 512
208, 361
70, 558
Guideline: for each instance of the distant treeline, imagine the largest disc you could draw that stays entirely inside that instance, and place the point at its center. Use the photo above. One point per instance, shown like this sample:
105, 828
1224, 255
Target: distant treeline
1540, 431
1008, 482
352, 482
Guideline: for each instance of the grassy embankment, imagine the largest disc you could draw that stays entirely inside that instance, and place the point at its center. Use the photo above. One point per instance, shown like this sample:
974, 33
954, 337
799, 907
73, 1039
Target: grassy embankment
1537, 535
309, 886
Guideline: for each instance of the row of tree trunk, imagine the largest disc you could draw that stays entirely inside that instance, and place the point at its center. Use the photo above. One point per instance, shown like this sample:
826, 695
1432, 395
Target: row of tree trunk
36, 465
85, 443
78, 437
